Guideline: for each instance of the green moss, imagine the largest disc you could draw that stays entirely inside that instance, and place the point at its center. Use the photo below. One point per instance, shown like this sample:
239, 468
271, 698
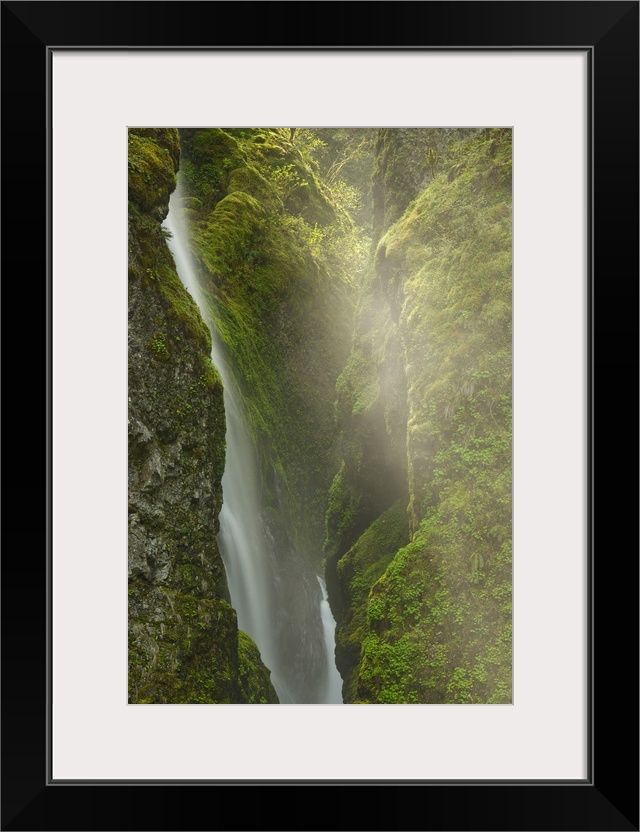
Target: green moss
152, 264
437, 626
158, 346
357, 571
358, 385
185, 649
254, 677
152, 166
182, 649
168, 138
454, 246
280, 301
341, 514
182, 309
423, 404
458, 647
183, 637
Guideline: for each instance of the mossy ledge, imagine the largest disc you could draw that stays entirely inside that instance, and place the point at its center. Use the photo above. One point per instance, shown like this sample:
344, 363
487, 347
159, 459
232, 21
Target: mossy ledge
184, 643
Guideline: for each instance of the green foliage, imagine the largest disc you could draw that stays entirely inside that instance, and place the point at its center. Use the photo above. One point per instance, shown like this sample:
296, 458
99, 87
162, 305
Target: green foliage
285, 180
406, 161
345, 160
308, 143
433, 636
438, 625
454, 246
158, 346
183, 637
418, 515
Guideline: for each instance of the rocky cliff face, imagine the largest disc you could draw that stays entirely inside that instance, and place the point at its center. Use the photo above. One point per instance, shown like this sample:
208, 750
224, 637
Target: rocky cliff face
184, 644
275, 259
274, 254
419, 522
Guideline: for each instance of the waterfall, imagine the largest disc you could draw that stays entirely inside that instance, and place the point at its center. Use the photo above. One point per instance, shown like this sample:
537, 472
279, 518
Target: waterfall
332, 693
272, 589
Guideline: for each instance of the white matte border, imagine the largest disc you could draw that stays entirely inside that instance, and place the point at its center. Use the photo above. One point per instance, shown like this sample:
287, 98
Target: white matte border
96, 735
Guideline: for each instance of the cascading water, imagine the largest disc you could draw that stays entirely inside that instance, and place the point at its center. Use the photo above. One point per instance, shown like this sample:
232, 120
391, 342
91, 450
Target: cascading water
332, 692
272, 590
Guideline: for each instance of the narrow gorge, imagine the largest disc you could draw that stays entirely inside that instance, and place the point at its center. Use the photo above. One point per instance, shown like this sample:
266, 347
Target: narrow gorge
319, 415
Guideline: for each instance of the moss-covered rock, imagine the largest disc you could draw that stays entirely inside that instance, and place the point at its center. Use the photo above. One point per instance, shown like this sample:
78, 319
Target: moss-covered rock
439, 619
275, 266
371, 414
255, 680
153, 161
357, 571
391, 438
406, 160
183, 636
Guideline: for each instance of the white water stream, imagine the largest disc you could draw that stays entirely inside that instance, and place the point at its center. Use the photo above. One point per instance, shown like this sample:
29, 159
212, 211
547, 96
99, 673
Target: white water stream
286, 613
332, 693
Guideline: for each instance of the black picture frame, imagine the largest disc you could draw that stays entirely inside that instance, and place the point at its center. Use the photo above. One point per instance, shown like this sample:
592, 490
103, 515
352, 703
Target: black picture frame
608, 798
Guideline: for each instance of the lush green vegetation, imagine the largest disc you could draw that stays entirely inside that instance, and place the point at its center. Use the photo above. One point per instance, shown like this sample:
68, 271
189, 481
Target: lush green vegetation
277, 260
254, 677
358, 570
184, 644
360, 284
439, 618
152, 159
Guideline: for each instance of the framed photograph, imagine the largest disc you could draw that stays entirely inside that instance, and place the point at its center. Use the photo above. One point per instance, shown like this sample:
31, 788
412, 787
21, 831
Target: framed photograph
93, 728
